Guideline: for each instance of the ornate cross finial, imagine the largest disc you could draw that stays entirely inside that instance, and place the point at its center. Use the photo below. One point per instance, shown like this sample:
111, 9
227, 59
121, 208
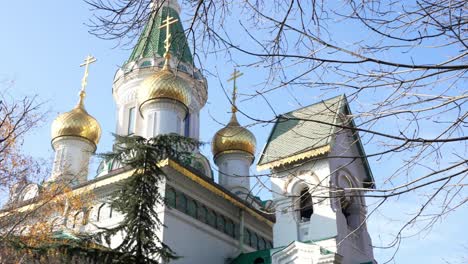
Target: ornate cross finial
167, 43
236, 74
89, 59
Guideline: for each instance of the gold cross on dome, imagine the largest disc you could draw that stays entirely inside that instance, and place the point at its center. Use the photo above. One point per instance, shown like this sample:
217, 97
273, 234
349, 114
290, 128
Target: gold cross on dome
234, 76
89, 59
166, 24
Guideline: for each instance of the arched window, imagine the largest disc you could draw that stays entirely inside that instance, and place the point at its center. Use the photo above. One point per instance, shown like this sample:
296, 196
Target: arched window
187, 125
87, 212
269, 244
236, 231
99, 212
131, 121
261, 244
254, 241
305, 205
246, 237
76, 219
171, 197
352, 213
181, 202
54, 225
192, 208
211, 218
220, 223
230, 228
202, 211
349, 201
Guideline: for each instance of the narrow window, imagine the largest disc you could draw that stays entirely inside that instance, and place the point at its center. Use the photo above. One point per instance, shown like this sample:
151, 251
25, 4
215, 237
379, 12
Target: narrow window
221, 223
261, 244
254, 241
110, 212
187, 125
153, 124
178, 127
246, 237
181, 202
87, 212
351, 212
269, 244
131, 121
305, 205
236, 231
171, 197
230, 228
75, 219
202, 214
99, 212
192, 208
211, 218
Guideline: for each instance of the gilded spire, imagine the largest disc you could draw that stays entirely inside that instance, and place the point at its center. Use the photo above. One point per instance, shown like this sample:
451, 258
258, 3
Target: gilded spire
77, 122
233, 137
236, 74
89, 59
167, 42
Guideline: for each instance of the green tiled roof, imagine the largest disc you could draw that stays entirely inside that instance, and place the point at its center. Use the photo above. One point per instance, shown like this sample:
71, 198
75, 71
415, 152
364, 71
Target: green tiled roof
291, 136
151, 41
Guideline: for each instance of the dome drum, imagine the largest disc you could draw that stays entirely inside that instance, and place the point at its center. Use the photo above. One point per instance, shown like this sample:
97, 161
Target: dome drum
165, 102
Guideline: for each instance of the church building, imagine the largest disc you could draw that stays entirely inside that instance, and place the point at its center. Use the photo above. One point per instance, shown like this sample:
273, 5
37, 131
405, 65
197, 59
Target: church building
311, 152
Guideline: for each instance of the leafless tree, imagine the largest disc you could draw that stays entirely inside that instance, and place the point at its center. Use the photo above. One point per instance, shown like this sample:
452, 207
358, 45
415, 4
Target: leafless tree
17, 118
402, 64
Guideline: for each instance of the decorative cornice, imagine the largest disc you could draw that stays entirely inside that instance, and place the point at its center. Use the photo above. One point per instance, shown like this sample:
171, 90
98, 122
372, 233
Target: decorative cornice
291, 159
212, 188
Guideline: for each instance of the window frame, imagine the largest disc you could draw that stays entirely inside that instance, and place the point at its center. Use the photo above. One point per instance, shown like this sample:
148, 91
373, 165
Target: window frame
131, 122
305, 200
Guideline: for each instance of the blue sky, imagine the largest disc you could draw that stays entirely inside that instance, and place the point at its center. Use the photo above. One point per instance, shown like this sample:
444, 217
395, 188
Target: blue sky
43, 43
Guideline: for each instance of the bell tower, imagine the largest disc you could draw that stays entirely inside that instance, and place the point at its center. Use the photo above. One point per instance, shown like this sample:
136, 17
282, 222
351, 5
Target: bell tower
318, 185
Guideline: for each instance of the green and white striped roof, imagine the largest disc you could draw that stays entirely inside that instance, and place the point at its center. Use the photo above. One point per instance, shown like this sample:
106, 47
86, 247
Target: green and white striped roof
151, 42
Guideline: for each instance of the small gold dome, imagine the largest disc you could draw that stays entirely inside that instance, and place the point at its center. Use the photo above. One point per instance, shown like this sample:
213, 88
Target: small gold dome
77, 123
233, 137
164, 84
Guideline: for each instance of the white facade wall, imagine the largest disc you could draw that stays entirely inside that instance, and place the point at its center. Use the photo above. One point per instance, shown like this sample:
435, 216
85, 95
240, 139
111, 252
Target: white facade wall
196, 242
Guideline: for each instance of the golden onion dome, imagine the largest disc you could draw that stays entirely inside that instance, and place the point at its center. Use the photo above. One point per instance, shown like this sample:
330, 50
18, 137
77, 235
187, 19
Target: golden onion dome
233, 137
77, 123
164, 84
